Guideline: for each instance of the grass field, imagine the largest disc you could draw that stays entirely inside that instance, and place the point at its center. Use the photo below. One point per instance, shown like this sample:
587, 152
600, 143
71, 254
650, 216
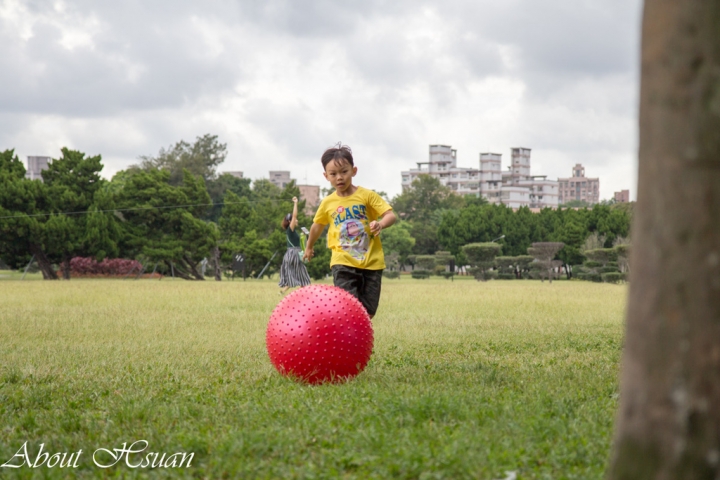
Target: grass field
467, 380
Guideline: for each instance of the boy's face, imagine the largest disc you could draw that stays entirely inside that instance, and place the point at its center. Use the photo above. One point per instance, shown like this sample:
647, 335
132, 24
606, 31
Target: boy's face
339, 174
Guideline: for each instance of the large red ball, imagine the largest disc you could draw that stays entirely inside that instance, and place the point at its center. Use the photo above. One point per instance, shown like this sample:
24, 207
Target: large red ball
319, 333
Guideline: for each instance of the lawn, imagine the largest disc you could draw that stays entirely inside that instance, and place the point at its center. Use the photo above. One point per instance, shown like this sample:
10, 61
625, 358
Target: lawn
467, 380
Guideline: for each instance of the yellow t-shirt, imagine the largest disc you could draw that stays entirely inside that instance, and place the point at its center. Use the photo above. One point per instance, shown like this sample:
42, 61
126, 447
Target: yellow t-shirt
349, 235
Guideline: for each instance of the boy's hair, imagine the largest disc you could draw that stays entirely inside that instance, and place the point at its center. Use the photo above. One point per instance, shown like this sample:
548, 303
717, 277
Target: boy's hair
338, 153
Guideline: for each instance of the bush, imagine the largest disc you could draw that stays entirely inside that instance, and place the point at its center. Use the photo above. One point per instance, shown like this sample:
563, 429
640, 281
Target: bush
447, 275
608, 270
506, 276
114, 266
425, 262
592, 264
391, 274
439, 270
590, 277
612, 277
421, 274
483, 275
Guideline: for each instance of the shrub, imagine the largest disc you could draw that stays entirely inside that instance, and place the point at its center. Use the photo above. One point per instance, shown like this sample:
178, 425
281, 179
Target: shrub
612, 277
114, 266
425, 262
590, 277
506, 276
391, 274
482, 274
421, 274
438, 270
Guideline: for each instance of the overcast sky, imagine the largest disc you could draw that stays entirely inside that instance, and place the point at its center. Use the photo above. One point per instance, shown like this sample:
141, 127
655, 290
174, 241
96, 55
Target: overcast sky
281, 80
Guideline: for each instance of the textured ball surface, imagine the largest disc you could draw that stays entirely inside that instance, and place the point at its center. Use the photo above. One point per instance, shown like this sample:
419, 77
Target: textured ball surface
319, 333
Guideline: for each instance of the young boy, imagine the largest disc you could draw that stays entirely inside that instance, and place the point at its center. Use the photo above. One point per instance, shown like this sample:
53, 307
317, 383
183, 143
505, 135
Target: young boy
354, 235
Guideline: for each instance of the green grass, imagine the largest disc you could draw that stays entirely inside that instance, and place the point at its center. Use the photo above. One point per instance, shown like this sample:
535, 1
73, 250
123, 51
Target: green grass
467, 380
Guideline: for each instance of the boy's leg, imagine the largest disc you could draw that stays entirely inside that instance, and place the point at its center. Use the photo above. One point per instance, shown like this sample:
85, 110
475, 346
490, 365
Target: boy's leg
347, 278
362, 284
370, 290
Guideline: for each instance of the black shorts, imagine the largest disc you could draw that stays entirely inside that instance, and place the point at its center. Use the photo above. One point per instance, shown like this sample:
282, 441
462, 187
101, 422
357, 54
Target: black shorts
363, 284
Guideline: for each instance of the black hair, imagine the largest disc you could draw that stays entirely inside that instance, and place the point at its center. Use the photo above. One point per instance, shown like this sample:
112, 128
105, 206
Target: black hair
338, 153
286, 221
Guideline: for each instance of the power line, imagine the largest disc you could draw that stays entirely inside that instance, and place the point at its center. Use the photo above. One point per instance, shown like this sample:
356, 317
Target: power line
163, 207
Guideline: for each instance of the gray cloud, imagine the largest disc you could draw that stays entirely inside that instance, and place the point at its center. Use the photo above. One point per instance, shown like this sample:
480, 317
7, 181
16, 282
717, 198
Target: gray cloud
280, 80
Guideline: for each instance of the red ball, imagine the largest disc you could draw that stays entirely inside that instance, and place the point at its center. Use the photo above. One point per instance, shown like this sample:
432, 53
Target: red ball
319, 333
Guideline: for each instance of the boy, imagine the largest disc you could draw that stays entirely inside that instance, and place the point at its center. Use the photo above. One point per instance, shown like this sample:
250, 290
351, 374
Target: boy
354, 235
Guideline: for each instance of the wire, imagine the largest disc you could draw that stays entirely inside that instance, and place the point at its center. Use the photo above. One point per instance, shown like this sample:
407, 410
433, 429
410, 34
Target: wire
85, 212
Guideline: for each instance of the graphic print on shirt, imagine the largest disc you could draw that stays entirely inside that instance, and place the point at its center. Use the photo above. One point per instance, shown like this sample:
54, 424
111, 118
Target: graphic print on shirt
352, 235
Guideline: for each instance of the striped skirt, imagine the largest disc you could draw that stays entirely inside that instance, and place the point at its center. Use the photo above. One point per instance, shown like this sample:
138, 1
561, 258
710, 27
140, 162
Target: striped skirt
292, 271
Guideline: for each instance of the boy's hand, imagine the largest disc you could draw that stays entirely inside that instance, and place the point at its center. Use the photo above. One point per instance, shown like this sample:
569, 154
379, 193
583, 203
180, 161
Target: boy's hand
309, 253
294, 199
375, 228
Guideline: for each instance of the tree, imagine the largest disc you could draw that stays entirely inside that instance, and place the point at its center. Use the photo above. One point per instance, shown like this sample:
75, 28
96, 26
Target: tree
217, 189
576, 204
573, 236
398, 240
319, 266
23, 203
668, 423
481, 257
58, 219
168, 226
544, 254
425, 196
200, 158
72, 182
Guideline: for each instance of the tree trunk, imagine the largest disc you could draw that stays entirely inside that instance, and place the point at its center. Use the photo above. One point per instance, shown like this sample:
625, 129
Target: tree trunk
177, 271
43, 262
216, 259
193, 268
65, 267
668, 424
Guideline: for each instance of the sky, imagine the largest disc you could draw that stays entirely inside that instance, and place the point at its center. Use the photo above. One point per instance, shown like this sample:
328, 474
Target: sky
279, 81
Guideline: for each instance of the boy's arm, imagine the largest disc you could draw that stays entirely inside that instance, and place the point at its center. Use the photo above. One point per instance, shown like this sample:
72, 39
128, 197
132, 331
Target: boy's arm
315, 232
387, 220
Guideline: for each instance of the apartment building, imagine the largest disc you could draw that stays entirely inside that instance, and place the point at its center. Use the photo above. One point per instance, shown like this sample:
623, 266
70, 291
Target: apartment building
35, 166
579, 187
491, 177
542, 193
623, 196
515, 188
280, 178
309, 193
442, 164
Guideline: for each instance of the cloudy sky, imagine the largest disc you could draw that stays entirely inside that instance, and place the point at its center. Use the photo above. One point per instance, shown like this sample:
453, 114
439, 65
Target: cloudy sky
281, 80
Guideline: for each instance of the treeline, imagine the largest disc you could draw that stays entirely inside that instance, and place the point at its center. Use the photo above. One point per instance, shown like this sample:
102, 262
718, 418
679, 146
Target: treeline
170, 212
175, 213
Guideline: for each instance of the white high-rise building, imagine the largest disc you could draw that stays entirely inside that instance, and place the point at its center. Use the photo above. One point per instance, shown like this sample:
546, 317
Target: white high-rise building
515, 188
35, 166
442, 164
491, 181
520, 165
